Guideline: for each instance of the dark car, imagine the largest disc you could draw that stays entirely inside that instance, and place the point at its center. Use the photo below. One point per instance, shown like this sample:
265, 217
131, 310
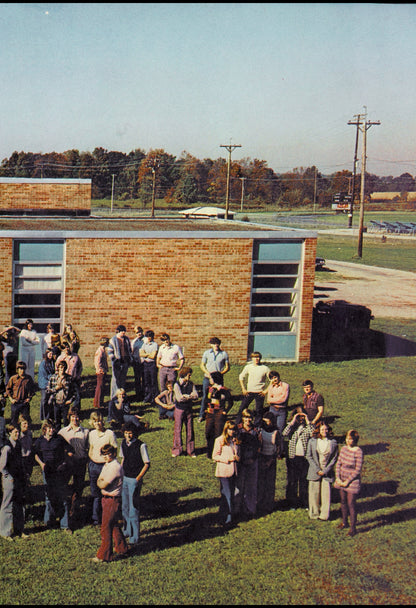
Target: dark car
319, 263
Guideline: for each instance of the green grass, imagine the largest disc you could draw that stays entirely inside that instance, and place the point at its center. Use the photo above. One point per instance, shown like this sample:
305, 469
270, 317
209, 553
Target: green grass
390, 254
284, 558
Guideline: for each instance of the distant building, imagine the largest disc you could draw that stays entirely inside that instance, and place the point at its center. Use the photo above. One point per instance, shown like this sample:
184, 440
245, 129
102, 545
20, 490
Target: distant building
31, 196
251, 286
206, 212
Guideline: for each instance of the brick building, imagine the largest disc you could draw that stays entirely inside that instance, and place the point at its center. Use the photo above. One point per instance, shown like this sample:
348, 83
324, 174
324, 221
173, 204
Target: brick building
251, 285
31, 196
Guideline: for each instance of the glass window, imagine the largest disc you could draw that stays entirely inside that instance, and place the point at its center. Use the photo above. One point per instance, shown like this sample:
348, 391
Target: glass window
38, 276
274, 298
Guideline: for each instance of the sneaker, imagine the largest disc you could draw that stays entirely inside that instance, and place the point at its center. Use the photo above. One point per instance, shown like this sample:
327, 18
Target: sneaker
200, 419
23, 535
175, 455
193, 455
97, 560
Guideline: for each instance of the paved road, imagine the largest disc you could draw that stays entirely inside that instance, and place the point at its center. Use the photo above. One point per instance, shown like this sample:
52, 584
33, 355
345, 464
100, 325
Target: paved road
387, 292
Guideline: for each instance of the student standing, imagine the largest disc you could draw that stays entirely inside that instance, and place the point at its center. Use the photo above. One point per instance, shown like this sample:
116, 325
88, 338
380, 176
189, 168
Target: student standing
219, 403
270, 450
256, 374
45, 371
135, 462
348, 480
101, 370
136, 345
51, 451
77, 437
97, 438
20, 390
226, 454
28, 341
213, 360
120, 354
12, 515
185, 392
299, 431
110, 482
321, 454
169, 361
246, 497
148, 354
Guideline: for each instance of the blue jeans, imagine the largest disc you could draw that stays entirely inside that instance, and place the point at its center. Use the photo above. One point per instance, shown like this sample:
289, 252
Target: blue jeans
280, 417
227, 498
94, 470
56, 500
130, 508
205, 387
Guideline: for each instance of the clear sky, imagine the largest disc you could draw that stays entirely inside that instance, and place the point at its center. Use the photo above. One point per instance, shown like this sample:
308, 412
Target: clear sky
282, 80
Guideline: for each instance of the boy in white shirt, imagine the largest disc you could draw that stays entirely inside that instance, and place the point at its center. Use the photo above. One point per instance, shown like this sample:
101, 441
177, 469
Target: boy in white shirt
257, 376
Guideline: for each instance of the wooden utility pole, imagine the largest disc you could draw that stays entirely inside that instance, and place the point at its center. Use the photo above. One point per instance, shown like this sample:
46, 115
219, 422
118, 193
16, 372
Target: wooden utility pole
314, 189
242, 192
354, 173
366, 126
154, 167
230, 148
112, 191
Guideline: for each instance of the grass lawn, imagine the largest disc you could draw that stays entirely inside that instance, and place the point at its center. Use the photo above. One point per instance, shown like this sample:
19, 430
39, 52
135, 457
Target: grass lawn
391, 254
284, 558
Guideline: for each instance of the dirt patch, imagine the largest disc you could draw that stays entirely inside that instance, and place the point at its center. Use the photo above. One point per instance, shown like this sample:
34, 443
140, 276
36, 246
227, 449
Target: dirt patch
387, 292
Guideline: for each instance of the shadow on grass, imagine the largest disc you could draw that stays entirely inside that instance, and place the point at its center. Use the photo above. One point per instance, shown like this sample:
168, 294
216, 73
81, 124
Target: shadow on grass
375, 448
398, 517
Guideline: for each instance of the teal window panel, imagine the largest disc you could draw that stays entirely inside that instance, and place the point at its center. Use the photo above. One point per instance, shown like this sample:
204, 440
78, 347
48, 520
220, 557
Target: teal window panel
39, 251
285, 250
275, 346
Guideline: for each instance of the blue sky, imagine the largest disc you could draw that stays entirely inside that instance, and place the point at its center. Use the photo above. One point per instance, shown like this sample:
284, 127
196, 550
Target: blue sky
282, 80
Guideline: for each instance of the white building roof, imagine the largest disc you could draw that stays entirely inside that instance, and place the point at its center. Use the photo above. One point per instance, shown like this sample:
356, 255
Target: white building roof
206, 212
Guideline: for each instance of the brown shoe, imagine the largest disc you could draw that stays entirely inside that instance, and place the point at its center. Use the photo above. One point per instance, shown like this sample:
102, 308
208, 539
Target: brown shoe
341, 526
351, 533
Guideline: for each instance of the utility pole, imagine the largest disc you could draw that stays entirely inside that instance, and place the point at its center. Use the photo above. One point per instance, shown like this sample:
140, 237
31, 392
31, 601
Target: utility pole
112, 191
357, 123
314, 189
154, 167
242, 192
230, 148
366, 126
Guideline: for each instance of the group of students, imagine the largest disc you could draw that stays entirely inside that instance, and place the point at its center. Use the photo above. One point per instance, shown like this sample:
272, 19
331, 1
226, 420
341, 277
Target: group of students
245, 450
67, 454
248, 447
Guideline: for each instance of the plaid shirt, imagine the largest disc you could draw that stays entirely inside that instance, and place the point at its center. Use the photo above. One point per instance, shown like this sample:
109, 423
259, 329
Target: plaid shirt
305, 435
65, 391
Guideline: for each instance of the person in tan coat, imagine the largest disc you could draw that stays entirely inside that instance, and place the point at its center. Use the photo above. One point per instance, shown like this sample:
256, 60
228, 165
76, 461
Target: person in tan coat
226, 454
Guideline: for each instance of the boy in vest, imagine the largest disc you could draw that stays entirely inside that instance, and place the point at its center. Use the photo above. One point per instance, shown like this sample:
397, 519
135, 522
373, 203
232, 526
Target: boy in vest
135, 463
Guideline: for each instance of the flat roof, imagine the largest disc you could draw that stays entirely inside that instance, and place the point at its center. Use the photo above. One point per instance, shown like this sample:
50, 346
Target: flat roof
95, 227
43, 180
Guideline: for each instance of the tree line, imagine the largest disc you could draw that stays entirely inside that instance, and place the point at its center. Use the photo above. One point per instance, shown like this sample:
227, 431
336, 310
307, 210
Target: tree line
188, 181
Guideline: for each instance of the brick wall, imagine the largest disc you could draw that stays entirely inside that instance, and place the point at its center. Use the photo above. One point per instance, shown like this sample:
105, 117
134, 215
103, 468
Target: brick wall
6, 260
190, 288
28, 195
305, 326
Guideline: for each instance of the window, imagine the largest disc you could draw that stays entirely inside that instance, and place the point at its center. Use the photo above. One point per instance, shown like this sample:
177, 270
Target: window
38, 283
274, 311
